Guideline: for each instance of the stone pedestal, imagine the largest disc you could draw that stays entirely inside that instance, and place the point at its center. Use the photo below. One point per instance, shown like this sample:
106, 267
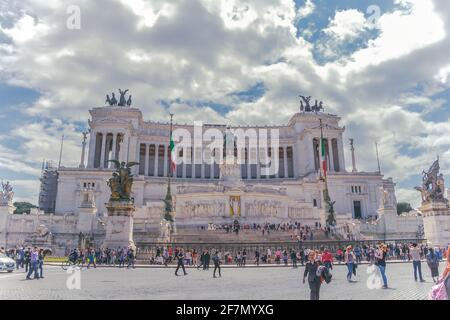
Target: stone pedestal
119, 225
6, 209
436, 222
86, 217
387, 222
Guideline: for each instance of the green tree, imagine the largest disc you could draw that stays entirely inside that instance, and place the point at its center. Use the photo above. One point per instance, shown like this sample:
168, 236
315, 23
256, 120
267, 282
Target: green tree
23, 207
403, 207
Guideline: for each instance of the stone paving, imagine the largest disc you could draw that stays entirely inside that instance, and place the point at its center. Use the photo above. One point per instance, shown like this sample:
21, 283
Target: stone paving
282, 283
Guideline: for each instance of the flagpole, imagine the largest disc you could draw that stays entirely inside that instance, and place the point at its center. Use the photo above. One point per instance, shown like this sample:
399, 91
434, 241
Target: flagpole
326, 197
168, 200
170, 172
378, 158
322, 147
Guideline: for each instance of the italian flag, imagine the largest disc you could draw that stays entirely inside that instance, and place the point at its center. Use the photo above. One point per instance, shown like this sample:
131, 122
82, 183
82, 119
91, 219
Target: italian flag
172, 154
323, 156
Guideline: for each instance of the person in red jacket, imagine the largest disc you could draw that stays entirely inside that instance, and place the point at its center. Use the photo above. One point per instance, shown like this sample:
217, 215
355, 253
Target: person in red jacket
340, 255
327, 259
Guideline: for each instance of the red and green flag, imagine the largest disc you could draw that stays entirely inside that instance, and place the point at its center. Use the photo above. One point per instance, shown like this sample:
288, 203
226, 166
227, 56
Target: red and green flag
323, 157
323, 153
172, 153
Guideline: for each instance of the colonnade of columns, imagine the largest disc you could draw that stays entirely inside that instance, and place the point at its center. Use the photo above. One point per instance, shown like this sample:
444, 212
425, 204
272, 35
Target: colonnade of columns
154, 162
332, 154
106, 146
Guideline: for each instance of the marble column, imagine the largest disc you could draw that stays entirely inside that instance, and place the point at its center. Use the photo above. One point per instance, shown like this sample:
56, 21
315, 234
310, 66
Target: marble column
147, 159
166, 158
249, 168
92, 149
213, 165
286, 171
114, 148
155, 173
202, 166
330, 155
193, 163
341, 153
102, 156
274, 157
258, 164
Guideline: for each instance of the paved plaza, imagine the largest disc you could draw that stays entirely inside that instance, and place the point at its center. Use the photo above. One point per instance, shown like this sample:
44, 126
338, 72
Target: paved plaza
269, 283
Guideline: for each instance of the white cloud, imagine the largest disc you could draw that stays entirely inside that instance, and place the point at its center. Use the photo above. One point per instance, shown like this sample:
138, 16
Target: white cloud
400, 34
346, 25
204, 50
306, 10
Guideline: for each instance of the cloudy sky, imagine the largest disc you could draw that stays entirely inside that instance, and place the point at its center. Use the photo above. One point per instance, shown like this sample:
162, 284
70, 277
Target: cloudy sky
383, 65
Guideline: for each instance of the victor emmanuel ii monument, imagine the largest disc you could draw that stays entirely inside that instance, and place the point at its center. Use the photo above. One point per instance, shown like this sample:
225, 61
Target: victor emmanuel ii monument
218, 174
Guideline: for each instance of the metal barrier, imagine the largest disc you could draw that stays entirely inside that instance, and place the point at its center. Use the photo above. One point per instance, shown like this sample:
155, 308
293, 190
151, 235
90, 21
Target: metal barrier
147, 249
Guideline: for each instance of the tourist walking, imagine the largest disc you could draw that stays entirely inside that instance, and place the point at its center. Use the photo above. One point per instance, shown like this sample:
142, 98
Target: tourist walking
207, 260
121, 258
311, 273
34, 260
446, 274
433, 264
180, 257
131, 258
327, 259
216, 260
339, 255
349, 259
244, 258
41, 263
380, 262
285, 258
238, 259
294, 259
257, 257
414, 252
91, 259
202, 261
18, 258
27, 258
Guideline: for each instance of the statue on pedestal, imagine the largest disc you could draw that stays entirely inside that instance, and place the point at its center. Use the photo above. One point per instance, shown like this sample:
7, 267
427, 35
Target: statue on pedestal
433, 187
123, 102
6, 194
122, 181
331, 219
305, 105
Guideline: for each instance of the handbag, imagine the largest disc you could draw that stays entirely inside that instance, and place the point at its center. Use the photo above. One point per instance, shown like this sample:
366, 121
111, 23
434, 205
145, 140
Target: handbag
438, 291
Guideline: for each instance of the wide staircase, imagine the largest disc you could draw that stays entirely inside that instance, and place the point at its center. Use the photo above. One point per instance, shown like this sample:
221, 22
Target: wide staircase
193, 235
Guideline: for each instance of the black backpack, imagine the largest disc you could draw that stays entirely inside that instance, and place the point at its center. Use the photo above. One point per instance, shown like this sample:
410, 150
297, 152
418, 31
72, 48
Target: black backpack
327, 275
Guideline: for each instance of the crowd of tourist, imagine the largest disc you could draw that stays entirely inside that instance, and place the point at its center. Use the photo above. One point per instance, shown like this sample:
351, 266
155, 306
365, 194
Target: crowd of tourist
318, 262
297, 230
29, 259
103, 256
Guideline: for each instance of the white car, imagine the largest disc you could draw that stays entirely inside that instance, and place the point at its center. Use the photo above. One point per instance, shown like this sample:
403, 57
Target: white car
6, 263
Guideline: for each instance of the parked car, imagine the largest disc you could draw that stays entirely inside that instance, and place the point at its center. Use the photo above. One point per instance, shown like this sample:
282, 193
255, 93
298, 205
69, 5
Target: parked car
6, 263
